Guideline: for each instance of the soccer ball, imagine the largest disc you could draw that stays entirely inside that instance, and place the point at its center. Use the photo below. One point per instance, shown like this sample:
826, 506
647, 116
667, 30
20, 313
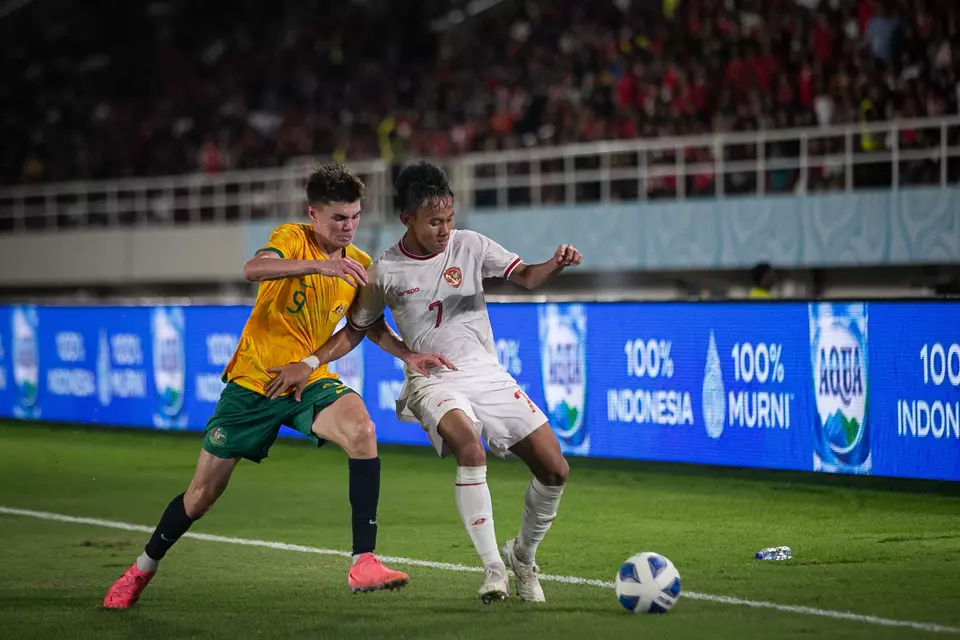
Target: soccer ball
648, 583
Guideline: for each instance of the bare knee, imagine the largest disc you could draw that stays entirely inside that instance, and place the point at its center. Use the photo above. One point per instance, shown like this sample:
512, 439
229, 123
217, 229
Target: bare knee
459, 435
471, 454
555, 474
361, 440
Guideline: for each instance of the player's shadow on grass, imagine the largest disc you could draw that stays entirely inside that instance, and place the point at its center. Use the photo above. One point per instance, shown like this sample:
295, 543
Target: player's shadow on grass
138, 623
123, 544
515, 606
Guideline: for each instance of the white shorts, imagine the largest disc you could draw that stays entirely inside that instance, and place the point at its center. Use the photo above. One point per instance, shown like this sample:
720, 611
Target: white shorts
501, 412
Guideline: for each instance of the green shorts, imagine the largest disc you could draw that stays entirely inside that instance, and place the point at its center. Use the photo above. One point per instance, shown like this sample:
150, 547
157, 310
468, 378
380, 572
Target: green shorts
245, 424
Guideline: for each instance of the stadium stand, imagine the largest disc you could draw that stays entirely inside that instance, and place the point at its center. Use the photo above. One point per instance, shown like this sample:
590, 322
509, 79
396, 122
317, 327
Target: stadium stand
182, 88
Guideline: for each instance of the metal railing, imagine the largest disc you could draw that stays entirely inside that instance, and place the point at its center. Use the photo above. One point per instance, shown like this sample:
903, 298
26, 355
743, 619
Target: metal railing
830, 159
175, 200
888, 155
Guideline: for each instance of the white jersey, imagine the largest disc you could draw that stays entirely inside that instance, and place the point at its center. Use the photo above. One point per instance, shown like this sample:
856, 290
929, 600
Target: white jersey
437, 301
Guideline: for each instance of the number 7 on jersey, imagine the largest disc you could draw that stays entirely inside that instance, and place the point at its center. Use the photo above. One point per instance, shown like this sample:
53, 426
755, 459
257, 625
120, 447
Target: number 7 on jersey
438, 305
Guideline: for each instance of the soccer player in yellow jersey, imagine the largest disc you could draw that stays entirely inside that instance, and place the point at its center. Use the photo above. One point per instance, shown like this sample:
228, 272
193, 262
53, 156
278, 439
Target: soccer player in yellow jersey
308, 276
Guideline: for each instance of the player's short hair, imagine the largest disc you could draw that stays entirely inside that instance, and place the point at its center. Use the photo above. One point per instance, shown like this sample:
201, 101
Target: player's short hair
423, 184
333, 182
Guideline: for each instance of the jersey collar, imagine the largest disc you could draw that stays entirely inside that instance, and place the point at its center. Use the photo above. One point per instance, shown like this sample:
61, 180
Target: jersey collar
413, 256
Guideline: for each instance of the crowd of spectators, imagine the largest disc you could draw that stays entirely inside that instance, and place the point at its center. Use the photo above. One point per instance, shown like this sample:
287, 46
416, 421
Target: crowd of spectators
101, 89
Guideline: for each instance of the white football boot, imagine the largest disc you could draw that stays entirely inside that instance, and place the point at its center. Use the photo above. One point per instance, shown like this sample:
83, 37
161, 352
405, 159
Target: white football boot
496, 585
525, 575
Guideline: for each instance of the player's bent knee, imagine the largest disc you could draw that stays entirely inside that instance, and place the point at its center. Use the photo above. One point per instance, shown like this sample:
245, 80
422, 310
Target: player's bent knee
556, 473
471, 455
362, 439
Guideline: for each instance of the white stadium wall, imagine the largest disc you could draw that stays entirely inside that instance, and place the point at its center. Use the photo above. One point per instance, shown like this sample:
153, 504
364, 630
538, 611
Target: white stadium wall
118, 257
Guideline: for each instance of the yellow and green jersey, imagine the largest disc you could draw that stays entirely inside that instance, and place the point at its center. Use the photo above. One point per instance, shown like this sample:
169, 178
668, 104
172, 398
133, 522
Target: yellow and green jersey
291, 317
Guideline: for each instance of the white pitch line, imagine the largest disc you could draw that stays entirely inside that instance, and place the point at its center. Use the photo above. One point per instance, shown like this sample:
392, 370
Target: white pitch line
448, 566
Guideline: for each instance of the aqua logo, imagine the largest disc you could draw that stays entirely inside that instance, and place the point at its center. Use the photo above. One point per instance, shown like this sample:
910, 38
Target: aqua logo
838, 350
714, 403
841, 373
169, 365
563, 331
26, 361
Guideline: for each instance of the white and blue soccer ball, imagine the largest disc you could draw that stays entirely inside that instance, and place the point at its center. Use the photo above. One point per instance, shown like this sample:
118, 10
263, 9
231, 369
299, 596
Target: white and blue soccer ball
648, 583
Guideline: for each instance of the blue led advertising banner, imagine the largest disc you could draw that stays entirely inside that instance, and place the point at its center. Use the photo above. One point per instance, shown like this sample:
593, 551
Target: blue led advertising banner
836, 387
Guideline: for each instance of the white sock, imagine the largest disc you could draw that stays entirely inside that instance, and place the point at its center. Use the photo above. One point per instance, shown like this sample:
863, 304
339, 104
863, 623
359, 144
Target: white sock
476, 512
539, 510
146, 563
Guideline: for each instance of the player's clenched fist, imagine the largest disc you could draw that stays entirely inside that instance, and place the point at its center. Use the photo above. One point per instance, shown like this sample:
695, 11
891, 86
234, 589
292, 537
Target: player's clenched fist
567, 256
347, 268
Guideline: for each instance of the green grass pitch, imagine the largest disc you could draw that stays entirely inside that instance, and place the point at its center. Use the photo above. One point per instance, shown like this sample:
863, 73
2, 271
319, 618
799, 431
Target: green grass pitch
869, 546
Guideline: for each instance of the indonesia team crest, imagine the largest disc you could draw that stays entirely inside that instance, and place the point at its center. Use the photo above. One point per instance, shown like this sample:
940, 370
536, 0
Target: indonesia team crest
453, 276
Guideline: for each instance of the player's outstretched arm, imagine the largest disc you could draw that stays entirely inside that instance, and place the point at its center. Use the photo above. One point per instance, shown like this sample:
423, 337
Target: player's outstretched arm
267, 265
340, 344
383, 336
532, 276
366, 315
296, 374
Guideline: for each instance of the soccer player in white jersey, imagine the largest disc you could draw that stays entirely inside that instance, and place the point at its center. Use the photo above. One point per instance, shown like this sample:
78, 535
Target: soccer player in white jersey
432, 281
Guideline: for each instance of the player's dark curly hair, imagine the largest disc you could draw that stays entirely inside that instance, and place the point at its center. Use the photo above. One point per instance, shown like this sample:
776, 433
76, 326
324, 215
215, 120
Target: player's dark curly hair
333, 183
422, 185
